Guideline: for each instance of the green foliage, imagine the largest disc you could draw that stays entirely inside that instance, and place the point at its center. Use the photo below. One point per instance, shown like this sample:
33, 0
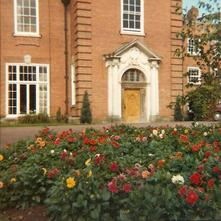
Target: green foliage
33, 119
86, 116
206, 34
36, 172
178, 116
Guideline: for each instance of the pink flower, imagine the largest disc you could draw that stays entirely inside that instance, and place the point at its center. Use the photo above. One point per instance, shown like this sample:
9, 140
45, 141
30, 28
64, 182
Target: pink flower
112, 186
116, 137
114, 167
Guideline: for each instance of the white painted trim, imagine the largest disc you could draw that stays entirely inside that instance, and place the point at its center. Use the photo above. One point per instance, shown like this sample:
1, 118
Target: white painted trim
73, 85
128, 31
29, 34
194, 68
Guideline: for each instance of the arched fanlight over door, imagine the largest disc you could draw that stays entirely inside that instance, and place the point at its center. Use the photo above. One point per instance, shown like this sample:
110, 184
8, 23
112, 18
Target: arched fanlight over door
133, 76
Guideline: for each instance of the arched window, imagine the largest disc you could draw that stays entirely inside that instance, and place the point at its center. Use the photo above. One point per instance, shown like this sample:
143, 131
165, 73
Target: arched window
133, 75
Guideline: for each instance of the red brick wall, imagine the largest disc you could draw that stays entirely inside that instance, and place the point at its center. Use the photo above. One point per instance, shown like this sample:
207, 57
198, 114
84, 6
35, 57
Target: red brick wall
47, 49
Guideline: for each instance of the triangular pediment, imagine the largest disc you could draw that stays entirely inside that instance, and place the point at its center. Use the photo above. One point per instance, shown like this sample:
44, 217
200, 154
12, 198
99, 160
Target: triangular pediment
133, 44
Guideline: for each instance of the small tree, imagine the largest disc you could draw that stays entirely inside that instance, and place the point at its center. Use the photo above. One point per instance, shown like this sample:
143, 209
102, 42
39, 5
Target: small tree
178, 116
86, 116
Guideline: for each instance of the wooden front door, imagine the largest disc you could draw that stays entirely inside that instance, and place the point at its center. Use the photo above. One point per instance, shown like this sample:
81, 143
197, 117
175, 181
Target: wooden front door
131, 105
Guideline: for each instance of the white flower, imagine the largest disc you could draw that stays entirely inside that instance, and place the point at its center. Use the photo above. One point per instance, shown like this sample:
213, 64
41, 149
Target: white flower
150, 154
162, 131
177, 179
155, 132
65, 150
161, 136
52, 151
71, 154
175, 129
205, 134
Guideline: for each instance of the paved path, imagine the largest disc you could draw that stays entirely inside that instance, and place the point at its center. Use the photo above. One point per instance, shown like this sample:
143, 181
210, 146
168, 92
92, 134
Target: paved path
9, 135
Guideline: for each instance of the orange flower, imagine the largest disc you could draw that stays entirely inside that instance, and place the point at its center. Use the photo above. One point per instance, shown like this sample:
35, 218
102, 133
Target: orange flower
38, 140
145, 174
1, 184
160, 163
42, 144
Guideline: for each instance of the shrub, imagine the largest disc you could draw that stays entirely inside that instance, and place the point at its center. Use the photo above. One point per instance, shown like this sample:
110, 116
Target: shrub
33, 119
86, 116
59, 116
178, 116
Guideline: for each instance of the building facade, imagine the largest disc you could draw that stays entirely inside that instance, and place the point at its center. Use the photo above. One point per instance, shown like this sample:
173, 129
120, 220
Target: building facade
122, 53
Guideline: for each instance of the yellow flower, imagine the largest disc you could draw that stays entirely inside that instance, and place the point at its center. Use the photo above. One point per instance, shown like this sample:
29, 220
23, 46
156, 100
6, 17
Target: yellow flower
44, 171
186, 131
1, 184
1, 157
13, 180
70, 182
87, 162
89, 174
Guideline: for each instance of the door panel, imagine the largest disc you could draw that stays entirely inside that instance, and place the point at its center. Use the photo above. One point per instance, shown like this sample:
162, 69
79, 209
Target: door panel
132, 104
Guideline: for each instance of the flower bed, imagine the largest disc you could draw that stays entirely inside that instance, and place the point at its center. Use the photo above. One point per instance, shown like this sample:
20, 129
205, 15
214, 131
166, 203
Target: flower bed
119, 173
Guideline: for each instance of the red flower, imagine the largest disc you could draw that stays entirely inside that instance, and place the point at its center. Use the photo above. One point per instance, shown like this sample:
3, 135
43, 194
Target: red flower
92, 149
101, 140
216, 149
210, 183
200, 168
184, 138
64, 155
207, 154
195, 178
112, 186
71, 139
127, 188
50, 136
216, 169
174, 132
74, 154
57, 141
115, 144
216, 143
92, 142
182, 191
196, 147
192, 197
98, 159
53, 173
114, 167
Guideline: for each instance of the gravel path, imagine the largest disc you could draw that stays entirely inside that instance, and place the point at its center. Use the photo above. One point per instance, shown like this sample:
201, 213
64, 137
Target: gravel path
9, 135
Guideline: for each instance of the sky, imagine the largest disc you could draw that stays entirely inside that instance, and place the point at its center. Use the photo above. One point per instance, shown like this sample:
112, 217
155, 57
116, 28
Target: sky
187, 4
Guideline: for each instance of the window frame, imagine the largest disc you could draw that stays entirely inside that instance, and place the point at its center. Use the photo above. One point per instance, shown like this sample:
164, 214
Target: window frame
129, 31
18, 82
21, 33
73, 85
199, 76
195, 50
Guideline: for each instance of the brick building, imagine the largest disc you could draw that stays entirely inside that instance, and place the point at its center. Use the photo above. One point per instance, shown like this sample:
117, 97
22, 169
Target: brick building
120, 51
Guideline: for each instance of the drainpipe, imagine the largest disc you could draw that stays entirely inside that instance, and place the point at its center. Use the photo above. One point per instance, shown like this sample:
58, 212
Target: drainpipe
66, 3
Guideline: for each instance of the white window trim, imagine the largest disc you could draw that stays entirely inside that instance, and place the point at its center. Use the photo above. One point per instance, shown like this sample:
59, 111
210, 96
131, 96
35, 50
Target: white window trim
12, 116
194, 53
194, 83
73, 85
28, 34
131, 31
